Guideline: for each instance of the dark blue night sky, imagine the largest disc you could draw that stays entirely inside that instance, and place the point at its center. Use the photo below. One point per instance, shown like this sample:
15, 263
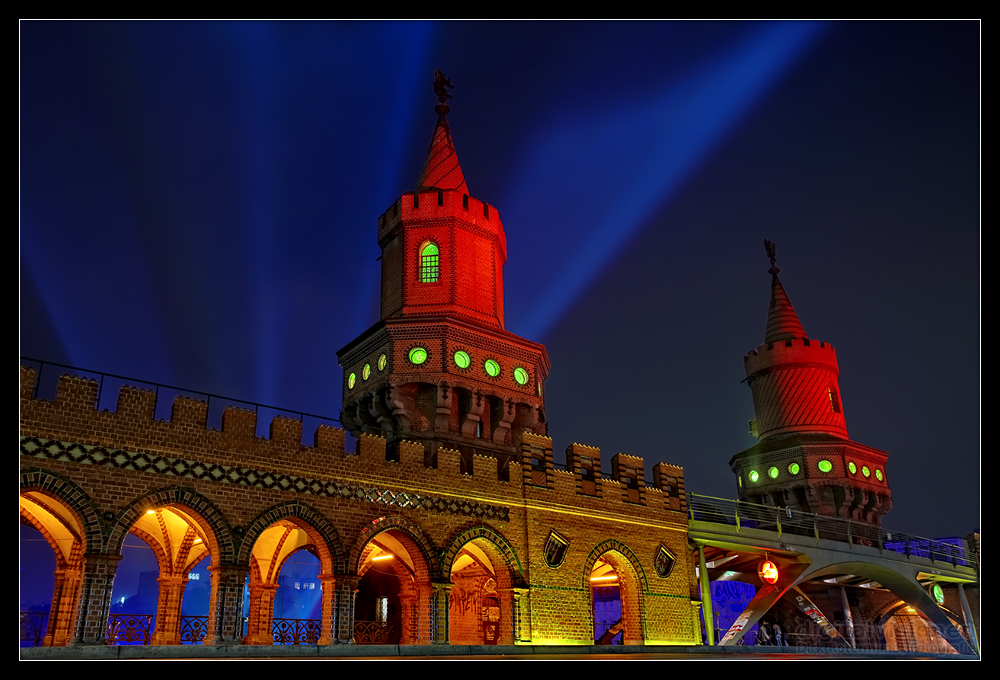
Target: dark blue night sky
198, 205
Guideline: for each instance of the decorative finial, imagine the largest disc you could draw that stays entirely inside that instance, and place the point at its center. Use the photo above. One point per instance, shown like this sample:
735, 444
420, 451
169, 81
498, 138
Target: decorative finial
441, 81
769, 247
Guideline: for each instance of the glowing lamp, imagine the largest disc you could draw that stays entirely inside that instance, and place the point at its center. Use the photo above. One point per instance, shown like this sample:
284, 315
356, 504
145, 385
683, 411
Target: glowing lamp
768, 572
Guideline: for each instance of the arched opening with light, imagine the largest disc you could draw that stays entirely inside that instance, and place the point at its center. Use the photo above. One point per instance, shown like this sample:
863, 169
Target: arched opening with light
161, 550
50, 576
481, 602
391, 605
615, 601
288, 598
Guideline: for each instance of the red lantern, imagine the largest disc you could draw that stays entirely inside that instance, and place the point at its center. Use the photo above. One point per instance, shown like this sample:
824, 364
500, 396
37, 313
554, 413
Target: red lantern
768, 572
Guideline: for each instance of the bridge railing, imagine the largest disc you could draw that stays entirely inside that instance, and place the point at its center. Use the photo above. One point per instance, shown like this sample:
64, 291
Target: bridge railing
745, 515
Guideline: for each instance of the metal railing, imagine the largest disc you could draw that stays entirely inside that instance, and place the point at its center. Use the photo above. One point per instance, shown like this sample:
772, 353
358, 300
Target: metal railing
375, 633
32, 628
295, 631
100, 377
787, 521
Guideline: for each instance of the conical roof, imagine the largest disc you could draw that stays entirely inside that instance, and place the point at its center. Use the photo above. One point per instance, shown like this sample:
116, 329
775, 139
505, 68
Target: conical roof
782, 321
442, 169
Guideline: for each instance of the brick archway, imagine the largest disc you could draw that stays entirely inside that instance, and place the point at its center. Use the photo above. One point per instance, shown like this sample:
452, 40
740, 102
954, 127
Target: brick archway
62, 512
74, 498
405, 526
632, 586
293, 510
485, 532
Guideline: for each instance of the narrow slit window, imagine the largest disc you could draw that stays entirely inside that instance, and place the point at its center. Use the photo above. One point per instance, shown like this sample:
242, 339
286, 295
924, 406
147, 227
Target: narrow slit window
834, 401
430, 264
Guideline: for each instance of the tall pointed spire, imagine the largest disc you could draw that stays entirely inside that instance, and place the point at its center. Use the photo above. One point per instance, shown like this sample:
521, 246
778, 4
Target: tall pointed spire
782, 321
442, 169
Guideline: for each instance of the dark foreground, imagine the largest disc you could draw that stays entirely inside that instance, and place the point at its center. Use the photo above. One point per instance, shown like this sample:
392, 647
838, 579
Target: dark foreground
465, 653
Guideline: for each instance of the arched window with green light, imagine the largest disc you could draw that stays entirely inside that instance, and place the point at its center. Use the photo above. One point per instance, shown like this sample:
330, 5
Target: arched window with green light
430, 263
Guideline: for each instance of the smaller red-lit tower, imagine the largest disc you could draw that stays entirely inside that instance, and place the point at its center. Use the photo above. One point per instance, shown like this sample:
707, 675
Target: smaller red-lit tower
439, 367
804, 458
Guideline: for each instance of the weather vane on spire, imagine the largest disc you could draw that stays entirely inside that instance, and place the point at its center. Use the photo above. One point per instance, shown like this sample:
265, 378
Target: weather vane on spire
769, 247
441, 81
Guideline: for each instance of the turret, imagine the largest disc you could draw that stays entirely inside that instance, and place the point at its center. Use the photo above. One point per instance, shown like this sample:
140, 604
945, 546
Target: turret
439, 367
804, 458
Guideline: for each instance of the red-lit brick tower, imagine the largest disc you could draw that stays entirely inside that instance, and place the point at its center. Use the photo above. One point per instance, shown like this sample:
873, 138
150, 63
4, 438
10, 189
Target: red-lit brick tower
804, 459
439, 366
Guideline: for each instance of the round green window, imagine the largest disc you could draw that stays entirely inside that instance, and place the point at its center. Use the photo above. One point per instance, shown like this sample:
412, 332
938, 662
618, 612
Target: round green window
521, 376
462, 359
793, 468
852, 467
366, 372
492, 368
754, 476
878, 474
772, 472
865, 471
351, 379
418, 355
381, 362
824, 466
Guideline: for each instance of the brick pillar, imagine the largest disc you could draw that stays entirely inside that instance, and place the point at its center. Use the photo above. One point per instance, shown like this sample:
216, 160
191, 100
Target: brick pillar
168, 610
408, 619
328, 614
440, 594
225, 612
65, 607
345, 608
261, 614
95, 601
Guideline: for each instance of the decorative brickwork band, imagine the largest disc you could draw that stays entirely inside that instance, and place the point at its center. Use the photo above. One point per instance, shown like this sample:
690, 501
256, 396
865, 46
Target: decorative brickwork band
228, 474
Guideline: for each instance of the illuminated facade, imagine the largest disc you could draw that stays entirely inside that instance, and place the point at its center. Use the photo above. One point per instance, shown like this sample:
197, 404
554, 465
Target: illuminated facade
449, 522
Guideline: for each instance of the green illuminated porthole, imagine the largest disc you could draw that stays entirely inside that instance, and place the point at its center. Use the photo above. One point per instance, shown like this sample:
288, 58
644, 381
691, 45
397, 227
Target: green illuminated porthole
492, 368
462, 359
878, 474
351, 379
366, 372
520, 376
418, 355
824, 466
865, 471
937, 593
852, 467
793, 469
381, 362
754, 476
772, 472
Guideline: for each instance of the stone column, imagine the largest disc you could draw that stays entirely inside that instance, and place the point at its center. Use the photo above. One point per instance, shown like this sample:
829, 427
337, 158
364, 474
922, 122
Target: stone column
520, 609
440, 602
346, 594
168, 610
261, 614
328, 614
95, 600
65, 607
225, 612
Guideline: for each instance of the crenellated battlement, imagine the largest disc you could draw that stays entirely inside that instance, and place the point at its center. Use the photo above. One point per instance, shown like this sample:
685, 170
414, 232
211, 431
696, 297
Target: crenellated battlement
74, 417
798, 350
439, 204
